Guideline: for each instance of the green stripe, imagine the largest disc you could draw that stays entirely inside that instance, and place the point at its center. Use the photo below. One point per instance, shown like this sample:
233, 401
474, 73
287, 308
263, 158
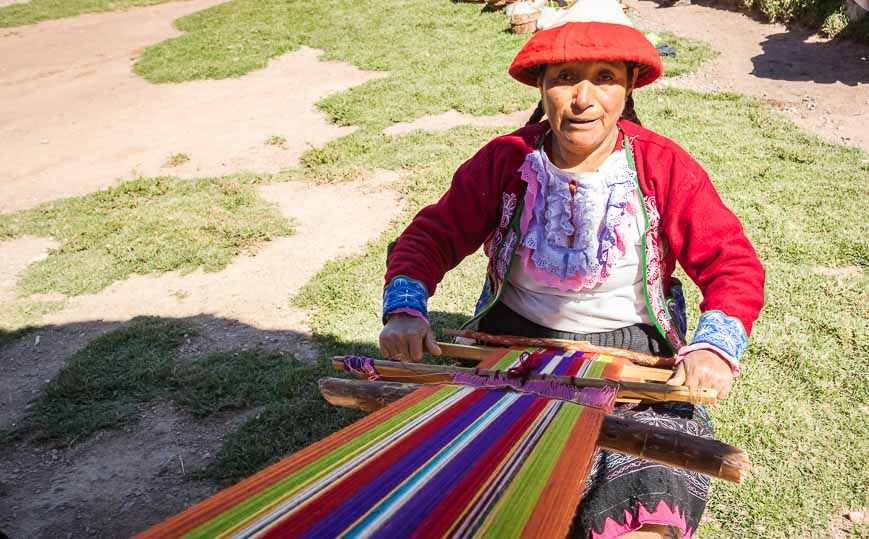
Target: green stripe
294, 482
513, 510
595, 368
510, 358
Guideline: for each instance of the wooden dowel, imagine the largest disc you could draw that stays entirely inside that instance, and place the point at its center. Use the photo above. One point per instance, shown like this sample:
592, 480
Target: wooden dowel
465, 351
648, 392
475, 354
669, 447
564, 344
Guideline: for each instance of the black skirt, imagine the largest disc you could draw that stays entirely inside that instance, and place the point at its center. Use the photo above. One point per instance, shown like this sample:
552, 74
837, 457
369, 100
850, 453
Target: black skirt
623, 493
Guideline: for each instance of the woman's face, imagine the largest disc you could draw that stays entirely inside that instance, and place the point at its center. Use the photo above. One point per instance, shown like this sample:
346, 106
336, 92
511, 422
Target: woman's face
583, 101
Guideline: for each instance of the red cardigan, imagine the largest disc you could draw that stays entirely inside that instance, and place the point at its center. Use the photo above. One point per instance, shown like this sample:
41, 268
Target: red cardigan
687, 222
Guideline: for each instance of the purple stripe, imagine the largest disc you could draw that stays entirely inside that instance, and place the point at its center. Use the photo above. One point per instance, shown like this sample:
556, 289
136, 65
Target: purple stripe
568, 360
369, 495
438, 487
547, 358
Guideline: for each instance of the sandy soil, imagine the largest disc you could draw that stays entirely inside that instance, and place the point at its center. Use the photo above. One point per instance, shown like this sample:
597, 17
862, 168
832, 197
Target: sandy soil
822, 86
74, 118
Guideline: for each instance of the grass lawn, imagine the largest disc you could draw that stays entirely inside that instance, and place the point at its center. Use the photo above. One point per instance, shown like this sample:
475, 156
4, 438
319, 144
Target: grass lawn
35, 11
147, 225
799, 407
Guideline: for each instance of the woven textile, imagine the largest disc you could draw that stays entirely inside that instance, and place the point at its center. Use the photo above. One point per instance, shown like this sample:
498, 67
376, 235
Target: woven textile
448, 461
558, 362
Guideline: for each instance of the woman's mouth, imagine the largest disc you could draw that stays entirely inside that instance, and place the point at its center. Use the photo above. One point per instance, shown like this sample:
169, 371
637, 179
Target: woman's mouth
579, 121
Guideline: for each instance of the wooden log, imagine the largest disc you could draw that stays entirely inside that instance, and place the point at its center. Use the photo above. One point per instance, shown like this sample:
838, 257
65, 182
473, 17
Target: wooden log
472, 354
563, 344
368, 396
423, 373
669, 447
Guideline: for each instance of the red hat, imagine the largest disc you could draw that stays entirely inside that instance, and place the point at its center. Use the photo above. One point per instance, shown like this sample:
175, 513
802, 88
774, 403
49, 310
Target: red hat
588, 40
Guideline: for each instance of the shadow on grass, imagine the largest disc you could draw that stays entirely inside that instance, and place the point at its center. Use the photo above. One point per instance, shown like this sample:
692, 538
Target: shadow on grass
110, 370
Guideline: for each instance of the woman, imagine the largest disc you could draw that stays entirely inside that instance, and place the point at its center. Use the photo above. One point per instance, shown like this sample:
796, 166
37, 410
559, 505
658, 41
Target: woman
583, 218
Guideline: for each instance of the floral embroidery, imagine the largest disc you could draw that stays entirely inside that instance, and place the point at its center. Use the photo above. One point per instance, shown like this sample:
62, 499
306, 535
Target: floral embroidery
497, 238
723, 332
506, 253
508, 206
655, 254
572, 239
405, 293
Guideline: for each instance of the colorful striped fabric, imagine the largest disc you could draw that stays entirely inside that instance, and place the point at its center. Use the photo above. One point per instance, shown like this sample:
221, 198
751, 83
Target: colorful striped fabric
559, 362
445, 461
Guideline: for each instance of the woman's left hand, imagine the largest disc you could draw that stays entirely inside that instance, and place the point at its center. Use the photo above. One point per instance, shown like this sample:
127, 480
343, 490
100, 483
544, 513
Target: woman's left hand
704, 368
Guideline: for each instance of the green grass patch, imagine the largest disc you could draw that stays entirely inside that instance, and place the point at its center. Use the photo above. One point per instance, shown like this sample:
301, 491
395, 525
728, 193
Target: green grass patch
232, 381
35, 11
690, 54
282, 427
147, 225
440, 55
103, 386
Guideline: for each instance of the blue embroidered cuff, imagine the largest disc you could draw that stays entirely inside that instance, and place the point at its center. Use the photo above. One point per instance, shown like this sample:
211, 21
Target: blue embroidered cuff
723, 332
405, 293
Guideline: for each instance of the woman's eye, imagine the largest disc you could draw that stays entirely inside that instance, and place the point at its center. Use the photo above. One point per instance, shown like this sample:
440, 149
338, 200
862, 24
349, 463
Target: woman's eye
564, 76
606, 76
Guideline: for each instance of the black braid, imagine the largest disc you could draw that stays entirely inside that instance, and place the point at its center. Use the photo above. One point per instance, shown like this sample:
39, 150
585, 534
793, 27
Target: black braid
537, 115
629, 113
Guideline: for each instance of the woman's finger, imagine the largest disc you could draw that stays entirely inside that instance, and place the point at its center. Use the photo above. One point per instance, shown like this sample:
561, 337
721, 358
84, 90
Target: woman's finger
414, 347
431, 343
678, 377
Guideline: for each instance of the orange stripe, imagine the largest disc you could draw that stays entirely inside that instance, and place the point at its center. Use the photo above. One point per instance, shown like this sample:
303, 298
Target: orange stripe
222, 501
557, 504
493, 358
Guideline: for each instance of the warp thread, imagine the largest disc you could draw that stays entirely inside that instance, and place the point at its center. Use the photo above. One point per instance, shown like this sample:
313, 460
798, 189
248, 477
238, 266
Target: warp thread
362, 366
603, 397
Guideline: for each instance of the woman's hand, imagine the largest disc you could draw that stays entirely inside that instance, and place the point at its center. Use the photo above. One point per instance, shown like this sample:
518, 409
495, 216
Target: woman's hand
704, 368
404, 336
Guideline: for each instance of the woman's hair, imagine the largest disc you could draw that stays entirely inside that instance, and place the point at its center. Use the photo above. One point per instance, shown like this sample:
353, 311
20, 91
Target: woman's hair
629, 113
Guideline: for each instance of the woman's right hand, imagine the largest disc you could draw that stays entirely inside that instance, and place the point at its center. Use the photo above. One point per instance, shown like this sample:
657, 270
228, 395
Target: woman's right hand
404, 336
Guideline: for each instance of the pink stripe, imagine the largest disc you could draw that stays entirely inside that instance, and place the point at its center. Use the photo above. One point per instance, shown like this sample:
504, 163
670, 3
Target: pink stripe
662, 515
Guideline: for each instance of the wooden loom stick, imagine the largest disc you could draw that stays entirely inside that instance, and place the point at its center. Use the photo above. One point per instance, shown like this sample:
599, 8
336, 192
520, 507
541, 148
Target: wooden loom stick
466, 351
564, 344
475, 354
669, 447
397, 371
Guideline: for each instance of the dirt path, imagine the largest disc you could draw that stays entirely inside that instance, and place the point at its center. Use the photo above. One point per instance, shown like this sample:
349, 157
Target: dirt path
822, 86
74, 118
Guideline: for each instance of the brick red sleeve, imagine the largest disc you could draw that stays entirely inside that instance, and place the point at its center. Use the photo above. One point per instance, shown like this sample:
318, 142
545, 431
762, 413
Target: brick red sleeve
711, 246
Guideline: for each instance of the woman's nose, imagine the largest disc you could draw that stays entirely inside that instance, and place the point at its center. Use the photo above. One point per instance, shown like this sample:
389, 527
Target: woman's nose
583, 95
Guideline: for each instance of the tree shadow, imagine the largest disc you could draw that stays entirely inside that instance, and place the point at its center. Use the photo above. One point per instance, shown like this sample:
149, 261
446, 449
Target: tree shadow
791, 56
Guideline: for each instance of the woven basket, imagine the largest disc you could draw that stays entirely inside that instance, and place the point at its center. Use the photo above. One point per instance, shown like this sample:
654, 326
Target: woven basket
524, 23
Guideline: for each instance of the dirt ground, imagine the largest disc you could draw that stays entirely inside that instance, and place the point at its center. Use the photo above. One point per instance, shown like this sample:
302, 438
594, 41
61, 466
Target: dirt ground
821, 85
74, 119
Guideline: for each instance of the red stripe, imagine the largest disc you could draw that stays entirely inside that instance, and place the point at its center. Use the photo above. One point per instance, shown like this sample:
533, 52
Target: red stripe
338, 492
441, 518
578, 360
